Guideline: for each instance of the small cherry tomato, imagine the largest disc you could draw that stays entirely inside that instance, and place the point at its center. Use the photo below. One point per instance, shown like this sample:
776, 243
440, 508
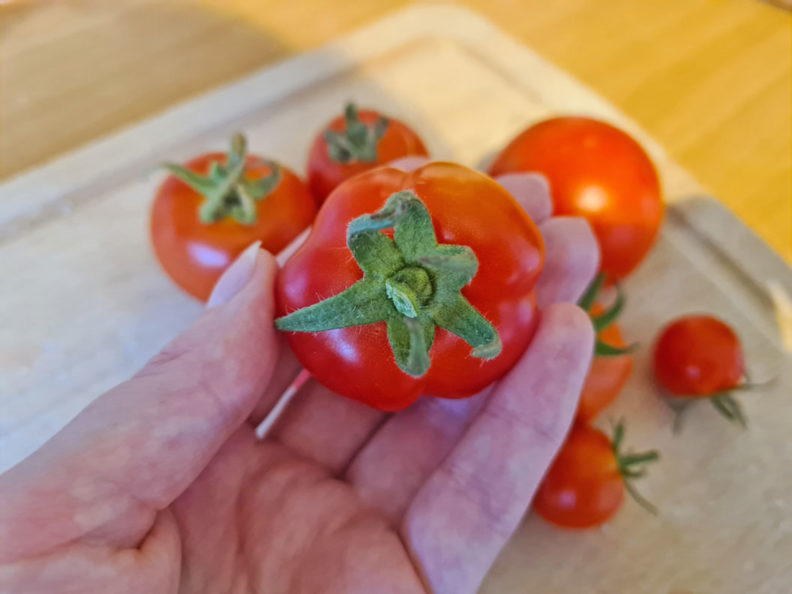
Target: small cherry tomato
613, 361
699, 356
598, 172
413, 283
586, 482
355, 142
216, 205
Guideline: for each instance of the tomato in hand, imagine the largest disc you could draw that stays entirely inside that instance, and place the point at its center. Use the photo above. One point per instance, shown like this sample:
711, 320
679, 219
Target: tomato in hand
413, 283
208, 211
586, 482
355, 142
597, 172
699, 356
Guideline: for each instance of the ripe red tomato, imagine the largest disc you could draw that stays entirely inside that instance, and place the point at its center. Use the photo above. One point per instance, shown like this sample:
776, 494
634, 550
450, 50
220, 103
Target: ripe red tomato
586, 482
495, 274
597, 172
355, 142
698, 356
608, 373
197, 230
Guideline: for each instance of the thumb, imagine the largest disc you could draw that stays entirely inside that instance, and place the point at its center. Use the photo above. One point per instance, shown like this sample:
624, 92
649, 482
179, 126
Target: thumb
138, 447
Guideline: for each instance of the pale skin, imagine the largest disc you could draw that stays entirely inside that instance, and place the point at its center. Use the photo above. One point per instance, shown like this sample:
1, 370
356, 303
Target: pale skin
160, 485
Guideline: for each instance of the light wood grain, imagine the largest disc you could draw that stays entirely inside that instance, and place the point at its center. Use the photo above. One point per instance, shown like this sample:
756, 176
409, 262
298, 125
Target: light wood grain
711, 80
725, 494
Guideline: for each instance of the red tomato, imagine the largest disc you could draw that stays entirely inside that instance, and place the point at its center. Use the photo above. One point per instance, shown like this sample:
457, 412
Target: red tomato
373, 140
195, 253
608, 373
698, 356
466, 208
586, 482
597, 172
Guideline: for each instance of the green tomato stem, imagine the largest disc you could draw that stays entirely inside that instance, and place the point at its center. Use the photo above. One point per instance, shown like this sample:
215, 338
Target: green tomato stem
226, 190
410, 282
358, 142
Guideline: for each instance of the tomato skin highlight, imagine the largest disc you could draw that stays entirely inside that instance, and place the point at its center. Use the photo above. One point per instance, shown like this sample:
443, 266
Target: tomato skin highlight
698, 356
597, 172
583, 487
325, 174
467, 208
194, 254
608, 374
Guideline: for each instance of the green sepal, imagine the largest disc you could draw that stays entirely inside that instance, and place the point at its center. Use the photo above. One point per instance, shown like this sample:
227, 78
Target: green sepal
358, 142
730, 408
607, 318
227, 192
588, 298
603, 349
632, 466
410, 282
602, 321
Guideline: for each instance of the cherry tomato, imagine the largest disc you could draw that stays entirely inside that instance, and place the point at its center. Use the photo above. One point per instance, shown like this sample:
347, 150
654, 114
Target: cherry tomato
608, 373
597, 172
355, 142
197, 232
479, 283
586, 482
698, 356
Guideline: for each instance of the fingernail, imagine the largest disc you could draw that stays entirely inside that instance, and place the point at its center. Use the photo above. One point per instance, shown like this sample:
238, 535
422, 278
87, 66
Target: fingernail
235, 277
408, 163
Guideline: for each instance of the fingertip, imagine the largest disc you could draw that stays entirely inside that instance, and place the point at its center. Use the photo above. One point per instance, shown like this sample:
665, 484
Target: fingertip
571, 323
532, 191
235, 277
409, 163
571, 261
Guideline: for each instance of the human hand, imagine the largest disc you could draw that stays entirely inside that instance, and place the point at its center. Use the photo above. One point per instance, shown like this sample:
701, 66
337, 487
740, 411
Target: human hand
160, 485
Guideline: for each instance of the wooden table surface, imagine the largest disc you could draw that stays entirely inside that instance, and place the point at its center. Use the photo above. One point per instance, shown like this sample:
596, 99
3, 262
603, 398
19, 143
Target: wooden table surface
710, 79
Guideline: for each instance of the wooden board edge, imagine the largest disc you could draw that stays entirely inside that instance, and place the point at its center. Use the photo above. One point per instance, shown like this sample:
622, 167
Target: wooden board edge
759, 271
60, 184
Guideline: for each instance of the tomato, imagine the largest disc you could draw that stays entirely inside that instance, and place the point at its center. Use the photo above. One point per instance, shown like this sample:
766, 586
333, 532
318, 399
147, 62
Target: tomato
355, 142
197, 232
608, 373
597, 172
699, 356
585, 485
612, 363
478, 284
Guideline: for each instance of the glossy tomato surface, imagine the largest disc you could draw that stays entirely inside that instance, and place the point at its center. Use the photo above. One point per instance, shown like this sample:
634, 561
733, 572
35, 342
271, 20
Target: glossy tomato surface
698, 355
608, 374
598, 172
583, 487
324, 174
467, 208
194, 254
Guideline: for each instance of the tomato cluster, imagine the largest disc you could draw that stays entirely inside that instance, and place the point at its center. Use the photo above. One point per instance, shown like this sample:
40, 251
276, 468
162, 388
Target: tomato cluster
215, 205
397, 276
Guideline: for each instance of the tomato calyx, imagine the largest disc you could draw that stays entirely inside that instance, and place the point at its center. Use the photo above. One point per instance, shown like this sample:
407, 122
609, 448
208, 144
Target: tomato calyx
723, 402
410, 282
632, 466
227, 193
606, 318
357, 143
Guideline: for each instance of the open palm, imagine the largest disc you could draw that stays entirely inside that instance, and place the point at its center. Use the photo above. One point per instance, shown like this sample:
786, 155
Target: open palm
160, 485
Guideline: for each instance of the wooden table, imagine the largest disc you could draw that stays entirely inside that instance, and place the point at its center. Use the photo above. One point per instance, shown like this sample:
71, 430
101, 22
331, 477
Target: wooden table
711, 80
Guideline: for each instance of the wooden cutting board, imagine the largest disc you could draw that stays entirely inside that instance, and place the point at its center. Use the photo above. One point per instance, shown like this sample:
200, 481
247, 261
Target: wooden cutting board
83, 303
